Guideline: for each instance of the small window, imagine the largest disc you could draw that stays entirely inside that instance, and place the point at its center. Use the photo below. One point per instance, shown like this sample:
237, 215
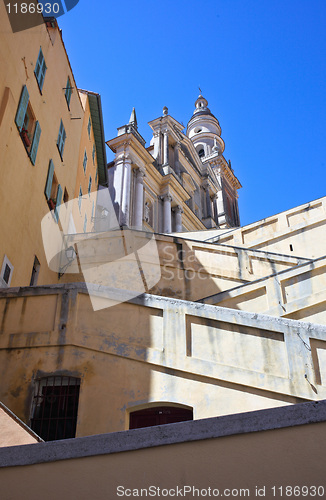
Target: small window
61, 139
65, 196
96, 177
55, 407
89, 185
80, 198
201, 153
68, 92
291, 248
85, 162
53, 191
85, 223
35, 272
89, 126
40, 70
6, 272
93, 154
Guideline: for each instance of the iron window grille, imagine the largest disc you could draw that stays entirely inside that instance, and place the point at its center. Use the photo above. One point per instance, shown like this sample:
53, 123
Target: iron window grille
55, 407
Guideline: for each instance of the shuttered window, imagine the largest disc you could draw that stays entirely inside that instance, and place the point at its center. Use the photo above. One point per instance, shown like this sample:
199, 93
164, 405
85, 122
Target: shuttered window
36, 140
93, 154
29, 128
80, 198
40, 69
22, 108
68, 91
49, 180
58, 203
85, 162
89, 126
61, 139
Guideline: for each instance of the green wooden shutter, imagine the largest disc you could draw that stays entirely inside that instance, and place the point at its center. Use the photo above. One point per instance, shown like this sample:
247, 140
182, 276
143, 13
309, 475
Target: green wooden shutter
22, 108
68, 91
49, 180
40, 69
38, 64
58, 203
36, 140
61, 138
42, 74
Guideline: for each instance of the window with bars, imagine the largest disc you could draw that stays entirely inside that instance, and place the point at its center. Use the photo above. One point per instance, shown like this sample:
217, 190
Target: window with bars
55, 407
40, 69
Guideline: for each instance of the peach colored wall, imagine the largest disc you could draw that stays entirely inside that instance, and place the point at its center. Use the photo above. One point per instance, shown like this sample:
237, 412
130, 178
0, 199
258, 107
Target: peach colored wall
22, 183
293, 456
11, 433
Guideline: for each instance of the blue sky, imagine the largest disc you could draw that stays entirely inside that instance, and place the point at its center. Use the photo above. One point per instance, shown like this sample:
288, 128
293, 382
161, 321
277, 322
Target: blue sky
260, 65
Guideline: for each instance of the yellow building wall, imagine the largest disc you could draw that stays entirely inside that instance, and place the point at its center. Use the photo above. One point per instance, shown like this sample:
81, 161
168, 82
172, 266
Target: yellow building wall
153, 350
22, 184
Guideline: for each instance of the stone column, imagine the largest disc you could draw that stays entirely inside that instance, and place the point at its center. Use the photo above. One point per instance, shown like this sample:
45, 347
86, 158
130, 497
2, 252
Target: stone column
208, 202
176, 158
165, 147
215, 208
139, 198
167, 220
125, 195
178, 218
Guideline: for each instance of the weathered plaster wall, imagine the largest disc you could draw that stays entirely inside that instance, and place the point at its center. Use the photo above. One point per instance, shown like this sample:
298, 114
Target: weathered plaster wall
152, 349
189, 270
298, 293
301, 227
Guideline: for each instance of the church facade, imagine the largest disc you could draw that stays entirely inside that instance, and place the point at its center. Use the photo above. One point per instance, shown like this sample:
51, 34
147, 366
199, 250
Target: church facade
181, 182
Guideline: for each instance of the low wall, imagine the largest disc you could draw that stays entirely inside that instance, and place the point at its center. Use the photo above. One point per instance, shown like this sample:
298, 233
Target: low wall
271, 453
153, 350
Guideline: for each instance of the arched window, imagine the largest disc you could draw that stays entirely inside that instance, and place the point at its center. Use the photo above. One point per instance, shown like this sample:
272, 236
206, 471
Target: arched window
54, 407
159, 415
201, 153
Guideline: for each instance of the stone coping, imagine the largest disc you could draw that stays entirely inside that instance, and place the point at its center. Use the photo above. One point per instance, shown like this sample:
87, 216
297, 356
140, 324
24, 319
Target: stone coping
162, 435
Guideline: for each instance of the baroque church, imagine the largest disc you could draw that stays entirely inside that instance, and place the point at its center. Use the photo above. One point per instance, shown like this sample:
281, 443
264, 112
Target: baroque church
181, 182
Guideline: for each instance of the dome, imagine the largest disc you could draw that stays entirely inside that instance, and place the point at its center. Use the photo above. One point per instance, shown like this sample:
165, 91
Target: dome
204, 129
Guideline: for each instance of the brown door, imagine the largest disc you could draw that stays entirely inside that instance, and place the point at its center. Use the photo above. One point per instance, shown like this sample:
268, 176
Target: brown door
158, 416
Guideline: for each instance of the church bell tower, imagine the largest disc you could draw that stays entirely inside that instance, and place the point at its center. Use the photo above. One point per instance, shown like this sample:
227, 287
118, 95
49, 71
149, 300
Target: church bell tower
204, 131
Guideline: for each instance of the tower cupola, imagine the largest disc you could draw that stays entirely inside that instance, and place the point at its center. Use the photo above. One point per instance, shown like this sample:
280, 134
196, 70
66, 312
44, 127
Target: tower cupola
204, 130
